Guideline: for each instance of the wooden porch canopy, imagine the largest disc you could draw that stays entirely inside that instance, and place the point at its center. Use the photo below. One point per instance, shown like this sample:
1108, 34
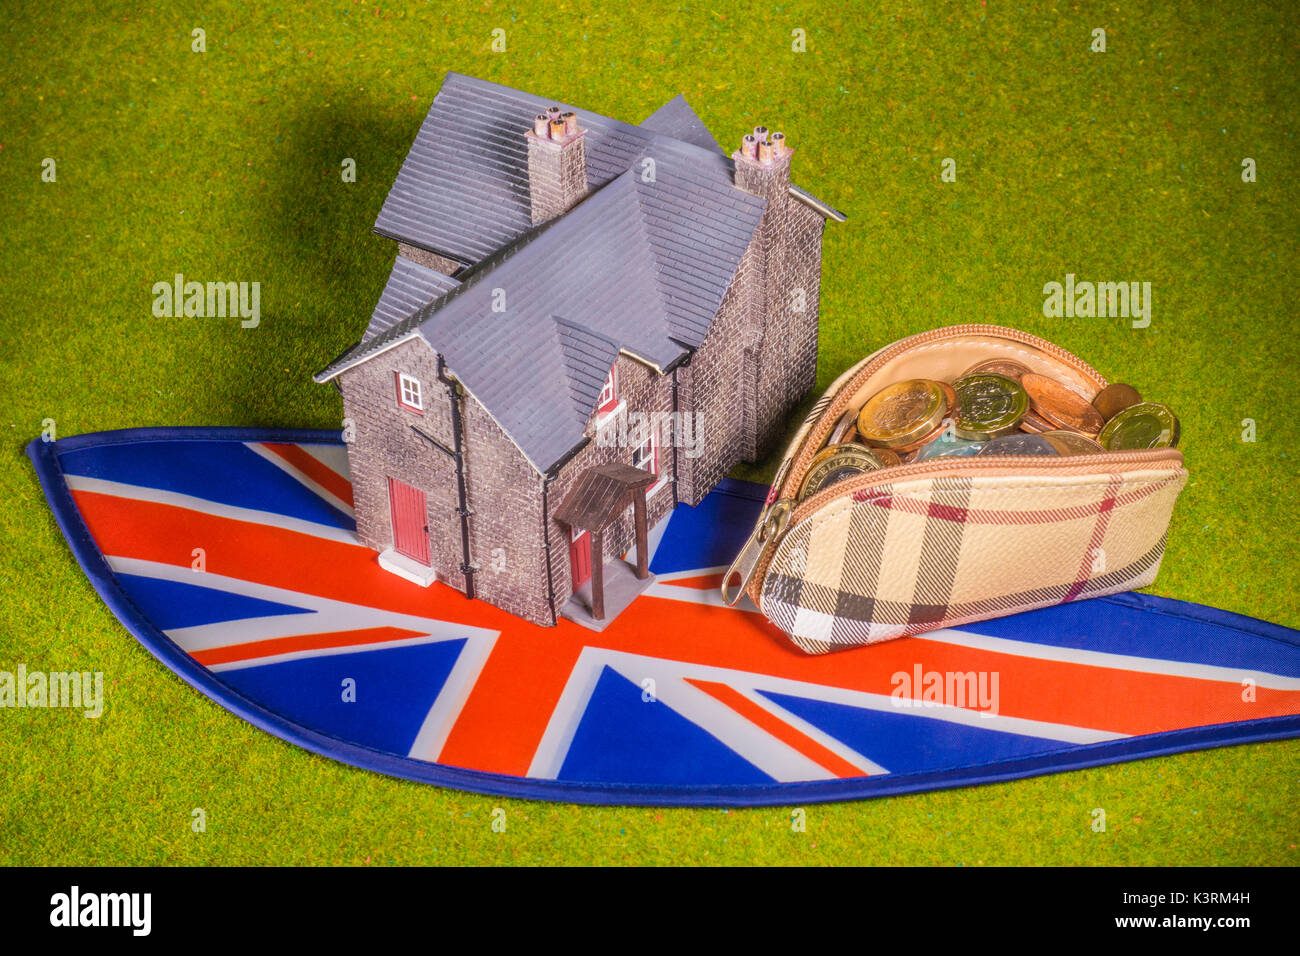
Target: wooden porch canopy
597, 498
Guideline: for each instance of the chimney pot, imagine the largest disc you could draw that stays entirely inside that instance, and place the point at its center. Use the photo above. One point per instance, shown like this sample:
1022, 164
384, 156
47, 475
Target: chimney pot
760, 133
557, 128
570, 123
749, 146
764, 152
778, 145
540, 124
552, 111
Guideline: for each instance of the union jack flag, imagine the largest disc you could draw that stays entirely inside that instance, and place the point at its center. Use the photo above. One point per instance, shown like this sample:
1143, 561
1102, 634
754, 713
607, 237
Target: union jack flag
231, 555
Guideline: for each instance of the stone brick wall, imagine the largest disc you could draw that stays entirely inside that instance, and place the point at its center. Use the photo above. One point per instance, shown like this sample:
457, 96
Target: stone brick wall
557, 174
430, 260
640, 390
385, 446
759, 358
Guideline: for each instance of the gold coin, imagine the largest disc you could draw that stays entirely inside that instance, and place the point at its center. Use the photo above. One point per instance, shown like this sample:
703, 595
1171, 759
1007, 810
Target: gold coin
902, 414
835, 463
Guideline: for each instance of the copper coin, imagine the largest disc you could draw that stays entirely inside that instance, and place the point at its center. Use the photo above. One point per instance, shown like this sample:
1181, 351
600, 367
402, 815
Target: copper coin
998, 366
1062, 406
1035, 424
844, 429
908, 450
1072, 443
1113, 399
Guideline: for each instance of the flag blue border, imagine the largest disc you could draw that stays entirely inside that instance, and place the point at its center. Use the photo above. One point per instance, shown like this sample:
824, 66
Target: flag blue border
45, 458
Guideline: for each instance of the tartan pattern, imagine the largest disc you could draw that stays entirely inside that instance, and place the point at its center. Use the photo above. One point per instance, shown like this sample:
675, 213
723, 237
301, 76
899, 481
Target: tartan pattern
922, 554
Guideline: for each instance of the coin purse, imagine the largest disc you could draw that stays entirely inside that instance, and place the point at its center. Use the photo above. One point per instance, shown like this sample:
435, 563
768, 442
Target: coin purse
921, 546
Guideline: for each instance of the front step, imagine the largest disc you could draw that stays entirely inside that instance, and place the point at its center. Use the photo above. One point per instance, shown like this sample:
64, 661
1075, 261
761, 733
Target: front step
405, 567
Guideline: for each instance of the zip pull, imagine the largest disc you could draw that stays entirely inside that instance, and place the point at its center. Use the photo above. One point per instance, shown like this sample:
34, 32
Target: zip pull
771, 525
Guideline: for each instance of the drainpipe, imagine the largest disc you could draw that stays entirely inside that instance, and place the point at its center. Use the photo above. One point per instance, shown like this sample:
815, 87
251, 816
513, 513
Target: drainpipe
546, 544
458, 450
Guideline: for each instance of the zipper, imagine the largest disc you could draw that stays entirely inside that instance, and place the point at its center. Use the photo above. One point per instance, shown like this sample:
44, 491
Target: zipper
772, 524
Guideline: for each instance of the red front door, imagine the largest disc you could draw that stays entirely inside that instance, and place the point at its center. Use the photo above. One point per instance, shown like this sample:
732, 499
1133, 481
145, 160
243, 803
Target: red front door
410, 531
580, 557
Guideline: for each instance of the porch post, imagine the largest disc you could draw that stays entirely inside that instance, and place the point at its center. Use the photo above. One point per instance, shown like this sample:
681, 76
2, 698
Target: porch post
597, 577
638, 516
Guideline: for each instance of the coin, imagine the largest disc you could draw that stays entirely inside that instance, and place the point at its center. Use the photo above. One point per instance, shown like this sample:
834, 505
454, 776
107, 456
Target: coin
945, 447
988, 405
838, 462
1146, 425
1019, 444
1072, 443
1035, 423
998, 366
1061, 406
1113, 399
845, 429
902, 414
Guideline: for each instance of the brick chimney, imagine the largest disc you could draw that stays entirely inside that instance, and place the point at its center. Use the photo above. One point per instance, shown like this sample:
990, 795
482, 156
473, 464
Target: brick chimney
763, 169
557, 163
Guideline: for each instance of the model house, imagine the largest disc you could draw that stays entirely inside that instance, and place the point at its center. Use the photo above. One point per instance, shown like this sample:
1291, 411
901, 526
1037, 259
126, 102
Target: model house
587, 322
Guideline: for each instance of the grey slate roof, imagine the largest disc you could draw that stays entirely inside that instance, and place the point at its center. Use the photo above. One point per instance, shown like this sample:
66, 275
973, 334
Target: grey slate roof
676, 119
410, 286
463, 190
637, 267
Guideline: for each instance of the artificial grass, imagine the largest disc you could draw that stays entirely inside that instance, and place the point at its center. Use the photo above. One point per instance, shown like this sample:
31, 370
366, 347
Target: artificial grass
225, 165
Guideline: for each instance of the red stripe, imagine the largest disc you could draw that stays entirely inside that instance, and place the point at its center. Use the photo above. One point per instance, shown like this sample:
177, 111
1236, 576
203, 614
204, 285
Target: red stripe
1084, 573
313, 468
989, 516
825, 758
1078, 695
301, 642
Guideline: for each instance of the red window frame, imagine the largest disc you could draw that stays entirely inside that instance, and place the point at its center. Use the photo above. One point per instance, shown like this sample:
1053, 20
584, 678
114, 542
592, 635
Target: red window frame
397, 379
603, 405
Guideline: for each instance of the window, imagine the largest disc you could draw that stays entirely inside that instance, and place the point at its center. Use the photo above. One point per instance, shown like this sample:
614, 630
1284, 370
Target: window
608, 400
646, 455
408, 393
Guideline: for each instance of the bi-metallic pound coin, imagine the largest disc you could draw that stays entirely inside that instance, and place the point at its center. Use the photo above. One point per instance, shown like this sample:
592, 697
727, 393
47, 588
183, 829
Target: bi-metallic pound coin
835, 463
902, 414
1146, 425
988, 405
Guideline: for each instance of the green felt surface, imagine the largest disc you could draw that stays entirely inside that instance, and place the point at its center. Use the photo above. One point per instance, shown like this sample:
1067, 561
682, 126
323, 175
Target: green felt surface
226, 165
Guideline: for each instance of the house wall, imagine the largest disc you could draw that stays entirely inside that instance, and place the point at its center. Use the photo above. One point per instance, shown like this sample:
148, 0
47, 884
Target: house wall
640, 390
760, 356
384, 446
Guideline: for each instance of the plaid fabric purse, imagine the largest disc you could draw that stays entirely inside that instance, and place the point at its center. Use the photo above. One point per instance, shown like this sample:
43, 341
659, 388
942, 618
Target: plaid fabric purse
938, 543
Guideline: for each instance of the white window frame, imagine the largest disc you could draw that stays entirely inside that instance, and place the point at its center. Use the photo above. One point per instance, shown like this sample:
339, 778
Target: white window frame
655, 469
608, 406
409, 385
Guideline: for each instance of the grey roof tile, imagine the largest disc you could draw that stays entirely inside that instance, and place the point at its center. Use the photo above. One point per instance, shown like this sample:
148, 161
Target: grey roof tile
676, 119
410, 286
638, 267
